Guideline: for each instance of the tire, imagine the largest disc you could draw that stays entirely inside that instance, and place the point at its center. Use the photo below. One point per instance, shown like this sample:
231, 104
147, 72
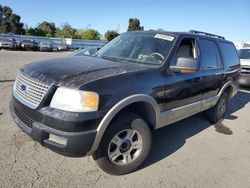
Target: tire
217, 112
128, 152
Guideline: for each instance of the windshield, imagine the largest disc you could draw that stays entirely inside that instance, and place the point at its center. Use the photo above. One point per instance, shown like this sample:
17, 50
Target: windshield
145, 48
7, 40
28, 41
244, 53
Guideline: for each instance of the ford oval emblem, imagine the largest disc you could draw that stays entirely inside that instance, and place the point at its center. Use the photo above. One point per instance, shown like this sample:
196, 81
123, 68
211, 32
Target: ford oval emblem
23, 87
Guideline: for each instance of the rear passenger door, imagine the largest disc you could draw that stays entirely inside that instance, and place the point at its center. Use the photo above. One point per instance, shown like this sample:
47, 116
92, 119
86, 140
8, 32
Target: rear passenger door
212, 69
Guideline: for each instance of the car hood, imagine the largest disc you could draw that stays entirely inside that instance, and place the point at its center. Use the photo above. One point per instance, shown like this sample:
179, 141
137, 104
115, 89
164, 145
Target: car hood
76, 71
28, 43
245, 62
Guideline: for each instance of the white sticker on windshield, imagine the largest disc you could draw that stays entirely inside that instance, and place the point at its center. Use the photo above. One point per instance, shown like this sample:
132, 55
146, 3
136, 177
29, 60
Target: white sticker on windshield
164, 37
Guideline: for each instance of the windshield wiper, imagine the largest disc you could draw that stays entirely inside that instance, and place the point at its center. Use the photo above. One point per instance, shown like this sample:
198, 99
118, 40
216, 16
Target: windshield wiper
110, 58
125, 60
97, 53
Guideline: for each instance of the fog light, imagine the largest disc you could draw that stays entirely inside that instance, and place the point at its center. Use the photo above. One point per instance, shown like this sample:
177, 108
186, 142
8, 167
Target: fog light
58, 139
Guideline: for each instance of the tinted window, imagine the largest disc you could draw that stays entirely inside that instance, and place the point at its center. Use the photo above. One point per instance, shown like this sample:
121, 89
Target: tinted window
229, 54
210, 54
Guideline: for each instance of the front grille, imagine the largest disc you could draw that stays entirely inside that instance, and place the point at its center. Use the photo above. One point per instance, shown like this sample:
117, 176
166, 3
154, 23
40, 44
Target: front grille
29, 90
22, 117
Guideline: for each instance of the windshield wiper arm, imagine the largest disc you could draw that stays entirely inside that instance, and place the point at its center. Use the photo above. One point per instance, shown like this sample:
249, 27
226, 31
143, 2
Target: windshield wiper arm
110, 58
97, 53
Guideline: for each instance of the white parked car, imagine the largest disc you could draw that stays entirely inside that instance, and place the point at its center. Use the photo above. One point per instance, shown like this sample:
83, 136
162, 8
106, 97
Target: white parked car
8, 43
244, 55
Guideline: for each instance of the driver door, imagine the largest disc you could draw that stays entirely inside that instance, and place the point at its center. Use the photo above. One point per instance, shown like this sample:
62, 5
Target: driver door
183, 90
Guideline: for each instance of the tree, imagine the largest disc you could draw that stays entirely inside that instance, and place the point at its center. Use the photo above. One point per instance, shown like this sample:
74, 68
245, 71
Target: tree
46, 29
66, 31
9, 21
110, 34
134, 25
89, 34
32, 31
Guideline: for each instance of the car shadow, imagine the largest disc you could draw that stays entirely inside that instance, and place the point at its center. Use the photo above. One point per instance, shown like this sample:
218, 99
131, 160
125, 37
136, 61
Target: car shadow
239, 101
171, 138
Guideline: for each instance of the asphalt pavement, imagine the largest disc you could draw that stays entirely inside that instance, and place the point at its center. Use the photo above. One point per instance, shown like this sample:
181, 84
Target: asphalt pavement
190, 153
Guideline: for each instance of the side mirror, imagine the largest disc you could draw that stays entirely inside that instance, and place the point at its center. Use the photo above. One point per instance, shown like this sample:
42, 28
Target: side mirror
185, 65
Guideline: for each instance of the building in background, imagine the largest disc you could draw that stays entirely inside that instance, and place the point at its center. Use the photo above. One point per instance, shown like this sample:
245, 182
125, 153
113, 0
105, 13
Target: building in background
242, 44
70, 43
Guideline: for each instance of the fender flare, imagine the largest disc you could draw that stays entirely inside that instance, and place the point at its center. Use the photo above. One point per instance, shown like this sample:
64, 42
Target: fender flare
225, 86
116, 109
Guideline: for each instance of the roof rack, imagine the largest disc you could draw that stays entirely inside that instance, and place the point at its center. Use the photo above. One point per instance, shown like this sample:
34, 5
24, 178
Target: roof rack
207, 34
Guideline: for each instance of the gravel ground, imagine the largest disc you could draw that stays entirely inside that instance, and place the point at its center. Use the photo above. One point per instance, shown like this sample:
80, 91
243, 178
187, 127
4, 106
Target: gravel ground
190, 153
11, 61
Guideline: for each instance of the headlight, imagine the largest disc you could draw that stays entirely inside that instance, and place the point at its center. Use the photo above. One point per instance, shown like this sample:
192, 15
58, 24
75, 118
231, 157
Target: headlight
75, 100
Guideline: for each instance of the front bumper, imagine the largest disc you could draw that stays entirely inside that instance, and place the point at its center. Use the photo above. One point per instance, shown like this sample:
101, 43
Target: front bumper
6, 46
69, 142
28, 47
46, 49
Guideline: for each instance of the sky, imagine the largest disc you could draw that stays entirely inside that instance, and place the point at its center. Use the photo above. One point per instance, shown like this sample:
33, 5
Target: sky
229, 18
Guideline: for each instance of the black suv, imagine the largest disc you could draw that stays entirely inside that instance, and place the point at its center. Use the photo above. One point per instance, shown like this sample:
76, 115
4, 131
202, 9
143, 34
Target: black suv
29, 45
106, 105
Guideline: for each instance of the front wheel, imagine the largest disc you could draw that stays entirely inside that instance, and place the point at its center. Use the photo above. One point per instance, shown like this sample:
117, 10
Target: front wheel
217, 113
124, 146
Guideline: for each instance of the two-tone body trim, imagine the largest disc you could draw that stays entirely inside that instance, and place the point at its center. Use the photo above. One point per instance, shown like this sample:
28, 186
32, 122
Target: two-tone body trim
159, 119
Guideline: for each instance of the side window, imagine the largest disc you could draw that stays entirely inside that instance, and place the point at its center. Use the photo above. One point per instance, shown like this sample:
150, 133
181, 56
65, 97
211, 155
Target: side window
185, 60
229, 54
187, 49
210, 55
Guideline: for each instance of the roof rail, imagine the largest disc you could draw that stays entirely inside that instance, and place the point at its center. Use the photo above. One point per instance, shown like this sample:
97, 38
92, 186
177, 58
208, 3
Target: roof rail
207, 34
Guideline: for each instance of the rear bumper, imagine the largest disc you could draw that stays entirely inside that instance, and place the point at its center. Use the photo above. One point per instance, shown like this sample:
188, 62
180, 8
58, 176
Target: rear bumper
244, 80
73, 144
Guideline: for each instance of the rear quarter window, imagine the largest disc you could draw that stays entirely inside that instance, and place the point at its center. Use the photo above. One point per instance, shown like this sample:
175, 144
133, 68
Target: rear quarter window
229, 55
210, 55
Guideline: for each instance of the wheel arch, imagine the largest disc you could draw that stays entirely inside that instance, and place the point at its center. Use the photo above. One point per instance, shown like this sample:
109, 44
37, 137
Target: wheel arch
151, 114
229, 87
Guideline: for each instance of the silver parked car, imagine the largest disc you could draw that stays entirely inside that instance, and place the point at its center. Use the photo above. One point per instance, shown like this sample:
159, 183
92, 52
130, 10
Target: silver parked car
59, 47
8, 43
244, 55
45, 47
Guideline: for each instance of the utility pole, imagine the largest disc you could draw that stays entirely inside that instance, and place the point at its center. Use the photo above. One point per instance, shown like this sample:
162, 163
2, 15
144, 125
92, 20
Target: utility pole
118, 28
3, 20
88, 27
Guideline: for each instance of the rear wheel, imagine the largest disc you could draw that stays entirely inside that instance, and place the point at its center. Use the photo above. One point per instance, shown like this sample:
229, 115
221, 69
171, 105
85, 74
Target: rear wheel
217, 113
124, 146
